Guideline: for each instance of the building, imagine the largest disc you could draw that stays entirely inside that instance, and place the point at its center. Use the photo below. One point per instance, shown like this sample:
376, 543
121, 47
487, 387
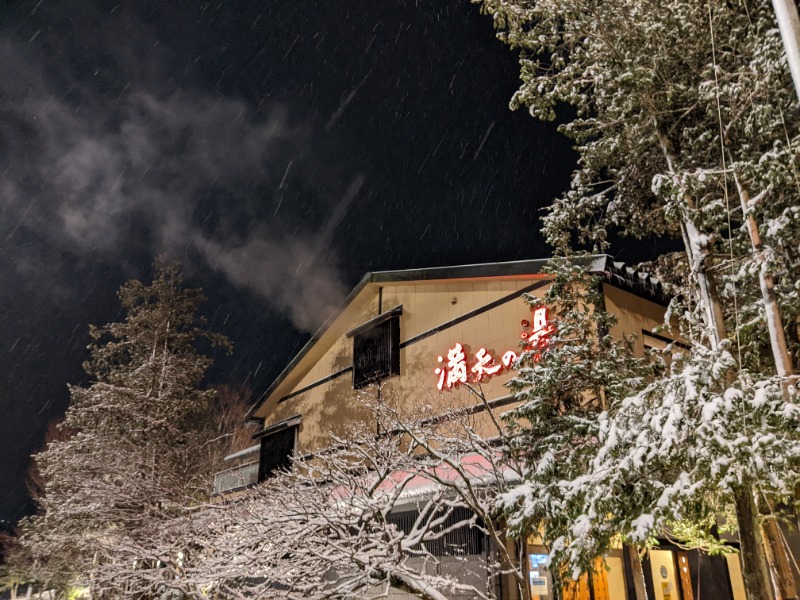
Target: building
395, 335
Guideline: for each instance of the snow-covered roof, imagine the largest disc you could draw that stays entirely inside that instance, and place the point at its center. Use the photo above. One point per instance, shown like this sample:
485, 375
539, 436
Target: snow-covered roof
635, 281
474, 468
242, 453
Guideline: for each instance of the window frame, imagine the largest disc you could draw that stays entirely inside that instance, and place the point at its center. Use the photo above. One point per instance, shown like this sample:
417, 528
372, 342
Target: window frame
290, 425
383, 330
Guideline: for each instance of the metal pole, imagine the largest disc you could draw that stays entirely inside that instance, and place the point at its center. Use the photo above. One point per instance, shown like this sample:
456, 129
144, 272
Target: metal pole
789, 25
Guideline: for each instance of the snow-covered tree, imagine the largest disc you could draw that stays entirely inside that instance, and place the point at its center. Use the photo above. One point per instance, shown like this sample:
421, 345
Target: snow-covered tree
555, 432
685, 447
614, 447
137, 454
465, 452
365, 516
686, 125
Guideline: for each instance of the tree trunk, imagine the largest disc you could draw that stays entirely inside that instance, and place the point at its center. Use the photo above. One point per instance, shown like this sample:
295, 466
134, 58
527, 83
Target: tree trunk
700, 262
511, 556
521, 569
637, 571
777, 336
776, 551
789, 26
778, 560
697, 253
754, 562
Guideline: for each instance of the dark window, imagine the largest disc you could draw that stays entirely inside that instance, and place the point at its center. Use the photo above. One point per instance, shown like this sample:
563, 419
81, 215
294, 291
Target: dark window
277, 450
464, 541
376, 352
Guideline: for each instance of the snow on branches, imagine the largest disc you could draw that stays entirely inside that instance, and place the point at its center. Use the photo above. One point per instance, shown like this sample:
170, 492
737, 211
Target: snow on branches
686, 125
409, 510
135, 456
615, 446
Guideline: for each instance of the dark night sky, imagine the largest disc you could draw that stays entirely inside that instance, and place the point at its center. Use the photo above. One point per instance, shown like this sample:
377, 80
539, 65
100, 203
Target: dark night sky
280, 149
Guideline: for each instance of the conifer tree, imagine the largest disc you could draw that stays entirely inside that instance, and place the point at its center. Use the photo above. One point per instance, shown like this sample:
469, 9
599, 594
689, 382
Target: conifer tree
136, 457
686, 125
565, 389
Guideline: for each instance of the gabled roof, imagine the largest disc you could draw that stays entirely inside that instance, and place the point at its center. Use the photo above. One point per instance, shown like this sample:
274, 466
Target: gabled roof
615, 273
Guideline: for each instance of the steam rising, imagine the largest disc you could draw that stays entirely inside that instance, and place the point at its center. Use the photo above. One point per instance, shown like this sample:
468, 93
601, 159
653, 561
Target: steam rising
96, 177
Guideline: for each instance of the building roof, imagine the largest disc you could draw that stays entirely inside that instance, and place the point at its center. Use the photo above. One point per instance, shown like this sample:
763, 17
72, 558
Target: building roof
615, 273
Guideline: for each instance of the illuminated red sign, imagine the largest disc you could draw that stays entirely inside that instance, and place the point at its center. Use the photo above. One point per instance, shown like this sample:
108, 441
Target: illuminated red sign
455, 370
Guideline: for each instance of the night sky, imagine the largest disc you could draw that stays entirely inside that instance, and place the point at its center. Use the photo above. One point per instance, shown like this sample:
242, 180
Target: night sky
279, 149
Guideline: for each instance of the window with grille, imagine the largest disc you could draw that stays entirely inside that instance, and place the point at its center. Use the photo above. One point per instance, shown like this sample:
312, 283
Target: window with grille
376, 349
464, 541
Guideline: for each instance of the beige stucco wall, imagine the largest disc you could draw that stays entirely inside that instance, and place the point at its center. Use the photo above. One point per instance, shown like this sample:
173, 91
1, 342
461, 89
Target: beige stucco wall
634, 315
332, 406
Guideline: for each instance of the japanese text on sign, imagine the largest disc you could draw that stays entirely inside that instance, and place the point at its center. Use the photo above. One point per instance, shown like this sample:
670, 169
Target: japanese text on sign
454, 370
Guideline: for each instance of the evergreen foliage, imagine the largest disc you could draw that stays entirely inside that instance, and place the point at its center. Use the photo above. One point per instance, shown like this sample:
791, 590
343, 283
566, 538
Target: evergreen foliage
137, 456
565, 391
686, 125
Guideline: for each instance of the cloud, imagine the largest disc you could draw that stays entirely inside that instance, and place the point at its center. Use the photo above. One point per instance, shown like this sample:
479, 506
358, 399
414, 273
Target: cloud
190, 172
